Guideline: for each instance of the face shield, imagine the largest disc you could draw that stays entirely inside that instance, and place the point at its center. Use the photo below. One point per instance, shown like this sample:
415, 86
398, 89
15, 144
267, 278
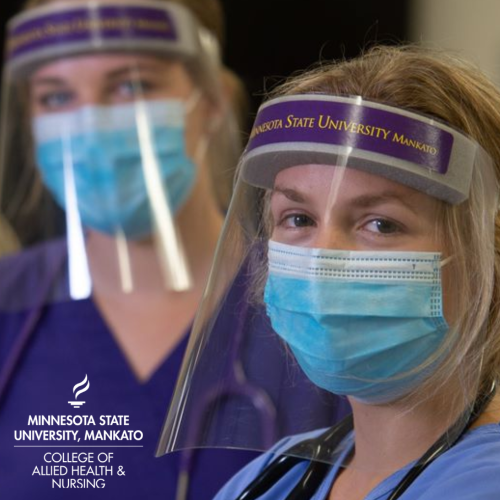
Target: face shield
336, 226
108, 112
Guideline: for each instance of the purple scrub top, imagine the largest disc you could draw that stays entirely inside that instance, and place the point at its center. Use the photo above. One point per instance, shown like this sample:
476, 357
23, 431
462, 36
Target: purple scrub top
71, 341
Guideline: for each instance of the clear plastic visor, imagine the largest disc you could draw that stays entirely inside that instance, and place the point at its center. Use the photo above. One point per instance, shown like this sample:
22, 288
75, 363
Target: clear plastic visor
327, 286
101, 155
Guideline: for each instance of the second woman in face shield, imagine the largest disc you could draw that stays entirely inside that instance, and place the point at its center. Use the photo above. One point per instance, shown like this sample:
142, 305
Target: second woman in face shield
122, 118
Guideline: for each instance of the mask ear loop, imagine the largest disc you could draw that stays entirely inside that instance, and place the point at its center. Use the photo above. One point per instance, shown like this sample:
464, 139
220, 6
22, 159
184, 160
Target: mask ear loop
202, 145
446, 261
192, 101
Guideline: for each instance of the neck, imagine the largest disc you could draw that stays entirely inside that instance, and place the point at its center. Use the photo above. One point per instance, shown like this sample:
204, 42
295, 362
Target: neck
388, 437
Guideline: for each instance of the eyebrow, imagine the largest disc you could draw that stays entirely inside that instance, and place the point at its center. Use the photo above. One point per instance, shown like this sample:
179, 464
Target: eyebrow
130, 69
291, 194
114, 74
49, 80
370, 200
362, 201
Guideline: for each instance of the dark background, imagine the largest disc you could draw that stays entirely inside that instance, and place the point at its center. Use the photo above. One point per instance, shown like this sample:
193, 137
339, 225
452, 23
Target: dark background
278, 37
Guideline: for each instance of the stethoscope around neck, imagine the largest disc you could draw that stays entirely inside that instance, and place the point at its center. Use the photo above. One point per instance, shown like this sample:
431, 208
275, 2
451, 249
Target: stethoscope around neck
326, 444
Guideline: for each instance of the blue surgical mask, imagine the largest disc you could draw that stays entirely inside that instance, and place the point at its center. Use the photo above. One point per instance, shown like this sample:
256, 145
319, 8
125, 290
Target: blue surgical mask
358, 323
102, 146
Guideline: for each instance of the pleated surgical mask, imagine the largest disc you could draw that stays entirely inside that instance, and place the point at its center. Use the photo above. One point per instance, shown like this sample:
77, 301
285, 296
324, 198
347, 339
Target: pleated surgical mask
104, 148
358, 322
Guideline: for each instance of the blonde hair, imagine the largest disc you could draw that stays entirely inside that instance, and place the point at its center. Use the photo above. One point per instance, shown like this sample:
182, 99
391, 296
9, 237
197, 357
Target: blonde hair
8, 240
439, 84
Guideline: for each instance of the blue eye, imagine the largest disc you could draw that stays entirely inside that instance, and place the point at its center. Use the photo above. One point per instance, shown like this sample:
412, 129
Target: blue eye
56, 100
130, 89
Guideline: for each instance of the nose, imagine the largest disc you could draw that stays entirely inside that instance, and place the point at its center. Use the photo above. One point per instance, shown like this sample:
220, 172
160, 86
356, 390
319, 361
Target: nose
331, 237
92, 97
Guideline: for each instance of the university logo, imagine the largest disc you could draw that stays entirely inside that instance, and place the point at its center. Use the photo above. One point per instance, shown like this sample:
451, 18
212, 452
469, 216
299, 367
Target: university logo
86, 384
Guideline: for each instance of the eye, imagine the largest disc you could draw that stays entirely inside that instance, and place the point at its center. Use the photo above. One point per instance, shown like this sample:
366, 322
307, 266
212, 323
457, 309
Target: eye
132, 89
56, 100
296, 220
383, 227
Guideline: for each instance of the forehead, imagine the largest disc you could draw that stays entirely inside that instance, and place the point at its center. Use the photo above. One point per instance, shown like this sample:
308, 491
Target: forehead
318, 182
103, 63
399, 144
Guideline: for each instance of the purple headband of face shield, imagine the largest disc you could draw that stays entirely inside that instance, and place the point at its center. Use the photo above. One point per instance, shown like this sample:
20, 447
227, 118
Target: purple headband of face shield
400, 145
64, 29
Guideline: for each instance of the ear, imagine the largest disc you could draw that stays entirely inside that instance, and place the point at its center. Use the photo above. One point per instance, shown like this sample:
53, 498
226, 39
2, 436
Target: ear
214, 109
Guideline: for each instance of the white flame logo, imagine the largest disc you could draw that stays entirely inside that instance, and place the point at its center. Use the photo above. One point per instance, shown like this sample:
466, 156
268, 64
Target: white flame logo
85, 382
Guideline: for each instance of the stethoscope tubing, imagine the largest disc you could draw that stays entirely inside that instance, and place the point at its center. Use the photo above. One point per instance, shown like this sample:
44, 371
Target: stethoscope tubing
317, 471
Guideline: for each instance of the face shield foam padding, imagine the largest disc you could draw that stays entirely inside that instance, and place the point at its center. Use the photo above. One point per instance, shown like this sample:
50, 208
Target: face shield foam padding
402, 146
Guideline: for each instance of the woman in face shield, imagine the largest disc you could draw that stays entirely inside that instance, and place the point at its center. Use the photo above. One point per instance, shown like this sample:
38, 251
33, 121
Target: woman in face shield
116, 110
372, 185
